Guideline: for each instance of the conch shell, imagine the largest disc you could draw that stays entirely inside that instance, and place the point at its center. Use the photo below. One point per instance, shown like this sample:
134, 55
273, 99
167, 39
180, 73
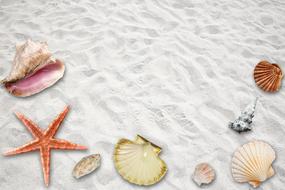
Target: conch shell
268, 76
252, 163
33, 69
203, 174
138, 161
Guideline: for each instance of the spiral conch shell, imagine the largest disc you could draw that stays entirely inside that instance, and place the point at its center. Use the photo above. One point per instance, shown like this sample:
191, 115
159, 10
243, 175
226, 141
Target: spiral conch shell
268, 76
203, 174
252, 163
138, 162
33, 69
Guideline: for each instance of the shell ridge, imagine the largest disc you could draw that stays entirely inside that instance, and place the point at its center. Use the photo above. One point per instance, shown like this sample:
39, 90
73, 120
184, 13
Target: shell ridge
253, 163
244, 160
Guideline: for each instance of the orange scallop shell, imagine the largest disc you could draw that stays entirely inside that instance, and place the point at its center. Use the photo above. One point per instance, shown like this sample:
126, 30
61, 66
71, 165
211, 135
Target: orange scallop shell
268, 76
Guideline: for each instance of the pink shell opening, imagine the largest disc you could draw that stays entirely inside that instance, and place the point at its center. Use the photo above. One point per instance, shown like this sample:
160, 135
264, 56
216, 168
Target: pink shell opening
37, 81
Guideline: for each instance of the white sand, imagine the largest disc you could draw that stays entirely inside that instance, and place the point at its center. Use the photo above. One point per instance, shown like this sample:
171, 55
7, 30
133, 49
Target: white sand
175, 72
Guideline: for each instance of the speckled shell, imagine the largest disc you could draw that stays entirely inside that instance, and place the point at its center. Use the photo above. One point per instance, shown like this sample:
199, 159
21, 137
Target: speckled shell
203, 174
268, 76
252, 163
138, 162
244, 122
86, 165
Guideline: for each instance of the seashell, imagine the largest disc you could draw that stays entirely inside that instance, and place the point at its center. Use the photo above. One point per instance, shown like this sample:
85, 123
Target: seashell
268, 76
41, 79
33, 70
203, 174
244, 122
28, 57
86, 165
138, 161
252, 163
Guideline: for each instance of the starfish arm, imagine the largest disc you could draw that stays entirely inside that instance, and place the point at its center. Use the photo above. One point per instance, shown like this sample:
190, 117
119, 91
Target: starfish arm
53, 127
25, 148
45, 159
30, 125
65, 145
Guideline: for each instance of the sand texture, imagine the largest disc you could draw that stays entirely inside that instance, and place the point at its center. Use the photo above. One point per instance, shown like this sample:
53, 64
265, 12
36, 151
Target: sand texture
175, 72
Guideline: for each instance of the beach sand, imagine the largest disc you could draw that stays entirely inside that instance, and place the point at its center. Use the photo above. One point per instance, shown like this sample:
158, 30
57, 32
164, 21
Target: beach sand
175, 72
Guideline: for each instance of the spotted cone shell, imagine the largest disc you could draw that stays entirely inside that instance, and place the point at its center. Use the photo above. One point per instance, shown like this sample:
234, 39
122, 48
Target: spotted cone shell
268, 76
252, 163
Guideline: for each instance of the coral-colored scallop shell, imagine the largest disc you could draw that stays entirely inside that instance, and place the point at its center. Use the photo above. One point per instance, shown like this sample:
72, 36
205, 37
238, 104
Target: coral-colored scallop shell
268, 76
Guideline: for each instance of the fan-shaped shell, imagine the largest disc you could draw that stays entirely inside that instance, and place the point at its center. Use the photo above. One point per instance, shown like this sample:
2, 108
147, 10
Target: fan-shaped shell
138, 161
203, 174
252, 163
268, 76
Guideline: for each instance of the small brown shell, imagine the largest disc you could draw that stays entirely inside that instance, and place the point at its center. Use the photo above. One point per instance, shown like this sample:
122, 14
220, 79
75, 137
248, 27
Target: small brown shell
268, 76
86, 165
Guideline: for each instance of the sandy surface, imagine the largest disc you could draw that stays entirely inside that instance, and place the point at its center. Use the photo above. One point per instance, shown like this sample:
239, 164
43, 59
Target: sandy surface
175, 72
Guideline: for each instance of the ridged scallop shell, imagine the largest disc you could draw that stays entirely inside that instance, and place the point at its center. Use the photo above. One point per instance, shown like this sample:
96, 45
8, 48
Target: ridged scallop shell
268, 76
86, 165
138, 161
203, 174
252, 163
33, 70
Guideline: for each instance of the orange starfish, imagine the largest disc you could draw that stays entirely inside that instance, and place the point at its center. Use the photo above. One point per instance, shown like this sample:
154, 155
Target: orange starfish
45, 141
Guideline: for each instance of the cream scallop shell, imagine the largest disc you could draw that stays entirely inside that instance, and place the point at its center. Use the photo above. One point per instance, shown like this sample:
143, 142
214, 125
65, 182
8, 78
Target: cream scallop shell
252, 163
138, 161
268, 76
203, 174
